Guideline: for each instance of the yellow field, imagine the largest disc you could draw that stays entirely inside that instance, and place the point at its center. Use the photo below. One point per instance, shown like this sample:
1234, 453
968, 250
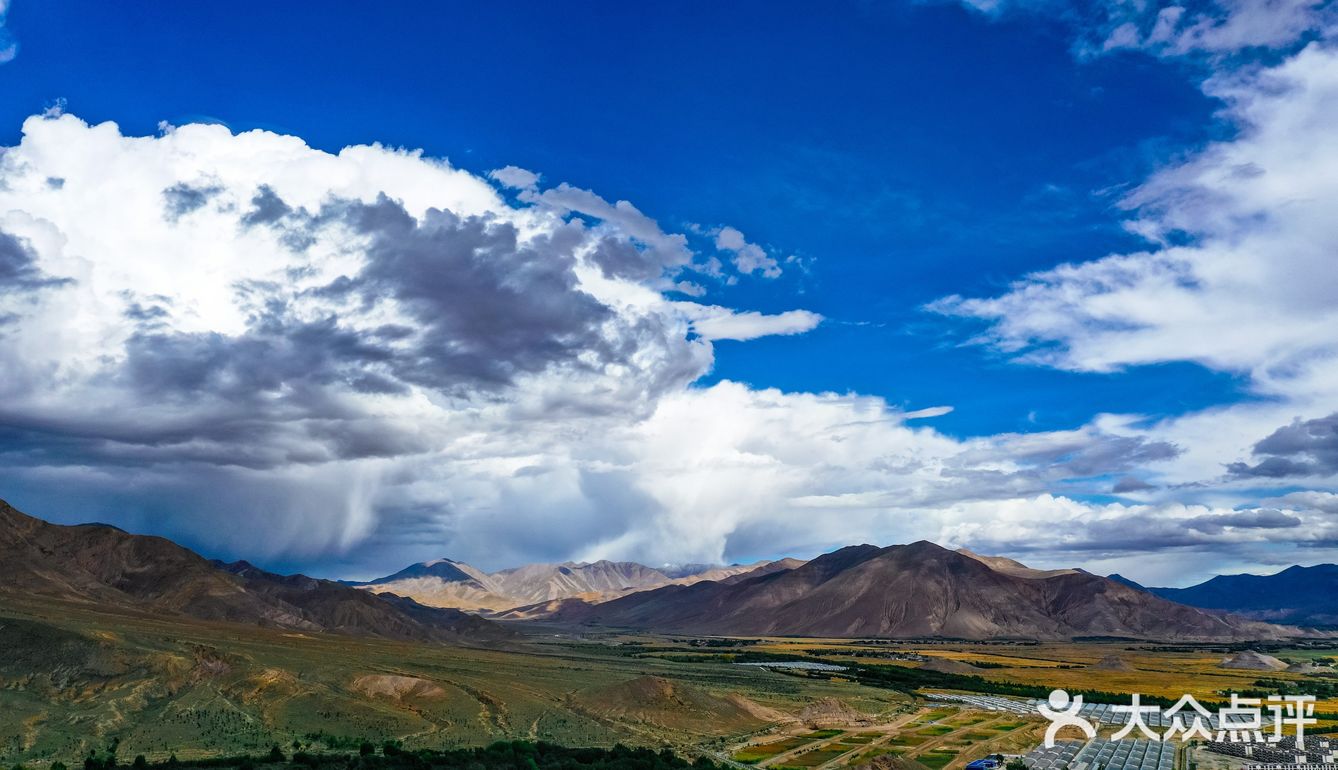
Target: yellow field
1070, 665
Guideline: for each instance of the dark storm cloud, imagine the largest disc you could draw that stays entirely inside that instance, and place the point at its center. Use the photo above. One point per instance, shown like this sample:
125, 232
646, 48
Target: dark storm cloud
296, 227
181, 199
267, 208
1131, 484
617, 258
1263, 518
276, 353
1070, 460
490, 307
486, 308
1108, 454
18, 267
1303, 448
1149, 531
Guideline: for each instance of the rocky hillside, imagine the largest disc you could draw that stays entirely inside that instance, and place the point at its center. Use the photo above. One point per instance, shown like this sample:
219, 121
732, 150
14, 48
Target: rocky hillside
918, 590
447, 583
104, 565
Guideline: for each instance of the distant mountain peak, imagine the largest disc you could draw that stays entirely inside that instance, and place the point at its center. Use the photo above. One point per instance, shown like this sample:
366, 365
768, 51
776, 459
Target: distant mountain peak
1122, 580
541, 585
1297, 594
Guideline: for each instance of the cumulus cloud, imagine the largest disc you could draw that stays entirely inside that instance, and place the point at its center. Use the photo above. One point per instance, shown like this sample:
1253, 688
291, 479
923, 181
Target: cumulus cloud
747, 257
1326, 502
215, 306
18, 267
1303, 448
358, 359
515, 178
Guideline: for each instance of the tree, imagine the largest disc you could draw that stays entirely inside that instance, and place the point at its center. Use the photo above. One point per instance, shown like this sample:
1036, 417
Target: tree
1016, 763
366, 748
140, 762
276, 754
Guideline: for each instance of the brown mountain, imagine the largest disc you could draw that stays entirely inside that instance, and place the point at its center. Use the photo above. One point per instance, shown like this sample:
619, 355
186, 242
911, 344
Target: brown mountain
544, 582
444, 583
447, 583
101, 564
918, 590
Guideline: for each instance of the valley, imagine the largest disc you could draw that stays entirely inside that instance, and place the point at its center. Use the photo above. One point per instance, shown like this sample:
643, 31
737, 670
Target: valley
117, 644
78, 678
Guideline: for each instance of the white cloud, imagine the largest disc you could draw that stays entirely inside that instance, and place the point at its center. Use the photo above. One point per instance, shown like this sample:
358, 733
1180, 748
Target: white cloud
1213, 28
933, 411
1239, 277
271, 351
515, 178
713, 322
747, 257
1326, 502
1222, 27
227, 319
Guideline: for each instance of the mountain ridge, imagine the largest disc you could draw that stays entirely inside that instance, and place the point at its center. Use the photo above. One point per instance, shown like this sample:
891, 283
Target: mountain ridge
107, 566
916, 590
1296, 594
449, 583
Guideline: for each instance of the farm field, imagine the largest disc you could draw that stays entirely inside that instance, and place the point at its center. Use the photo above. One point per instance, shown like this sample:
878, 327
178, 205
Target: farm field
76, 678
758, 753
930, 736
1167, 671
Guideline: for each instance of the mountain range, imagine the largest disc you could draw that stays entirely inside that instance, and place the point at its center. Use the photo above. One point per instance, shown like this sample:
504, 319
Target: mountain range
102, 565
448, 583
907, 591
1298, 595
917, 590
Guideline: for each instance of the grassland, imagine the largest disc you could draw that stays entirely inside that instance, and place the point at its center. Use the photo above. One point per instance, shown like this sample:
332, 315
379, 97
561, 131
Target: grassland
74, 678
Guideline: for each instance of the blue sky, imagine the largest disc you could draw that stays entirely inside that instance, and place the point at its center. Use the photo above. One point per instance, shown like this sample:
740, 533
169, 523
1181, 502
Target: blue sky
887, 155
907, 151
